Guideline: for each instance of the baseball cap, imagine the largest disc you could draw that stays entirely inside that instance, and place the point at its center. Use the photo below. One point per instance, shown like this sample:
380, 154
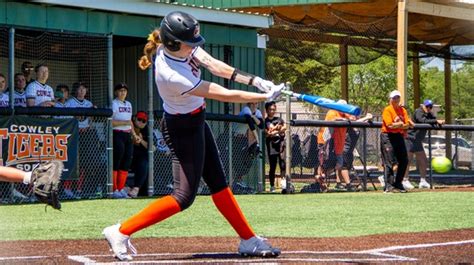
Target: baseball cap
395, 93
142, 115
120, 86
428, 102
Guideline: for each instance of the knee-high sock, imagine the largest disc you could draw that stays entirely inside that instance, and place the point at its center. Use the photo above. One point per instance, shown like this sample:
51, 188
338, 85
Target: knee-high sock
152, 214
122, 179
115, 180
229, 208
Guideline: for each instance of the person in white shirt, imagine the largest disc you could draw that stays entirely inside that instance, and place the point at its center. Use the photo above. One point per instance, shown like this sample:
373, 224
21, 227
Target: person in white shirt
87, 138
19, 95
254, 119
174, 51
123, 143
4, 99
61, 95
38, 93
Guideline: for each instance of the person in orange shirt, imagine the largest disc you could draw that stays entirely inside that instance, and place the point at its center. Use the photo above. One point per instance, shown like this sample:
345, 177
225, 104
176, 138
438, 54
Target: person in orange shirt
331, 145
395, 124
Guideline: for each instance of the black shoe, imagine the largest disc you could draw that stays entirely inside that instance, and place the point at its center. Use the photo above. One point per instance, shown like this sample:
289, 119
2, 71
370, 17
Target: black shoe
350, 188
399, 186
340, 186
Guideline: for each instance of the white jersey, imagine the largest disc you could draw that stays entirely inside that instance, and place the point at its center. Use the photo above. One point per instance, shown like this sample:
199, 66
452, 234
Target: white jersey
175, 78
4, 100
122, 112
76, 103
247, 111
39, 92
19, 98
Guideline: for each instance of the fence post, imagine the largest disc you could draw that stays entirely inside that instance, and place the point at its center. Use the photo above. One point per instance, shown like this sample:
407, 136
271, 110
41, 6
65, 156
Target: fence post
231, 155
429, 159
364, 158
288, 143
11, 63
110, 146
151, 125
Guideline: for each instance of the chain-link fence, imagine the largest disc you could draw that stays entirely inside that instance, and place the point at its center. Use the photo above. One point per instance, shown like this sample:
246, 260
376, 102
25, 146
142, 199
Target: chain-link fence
364, 163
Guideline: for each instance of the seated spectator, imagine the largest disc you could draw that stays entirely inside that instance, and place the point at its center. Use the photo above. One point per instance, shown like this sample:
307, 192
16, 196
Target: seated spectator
140, 153
87, 138
27, 70
4, 98
254, 120
19, 95
61, 95
38, 93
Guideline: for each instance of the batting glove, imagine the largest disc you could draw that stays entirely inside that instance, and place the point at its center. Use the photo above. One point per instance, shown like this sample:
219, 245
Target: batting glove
263, 85
275, 92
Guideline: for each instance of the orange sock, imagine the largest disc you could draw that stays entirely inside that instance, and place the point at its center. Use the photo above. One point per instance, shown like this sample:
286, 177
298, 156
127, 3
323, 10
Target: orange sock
229, 208
152, 214
114, 180
122, 179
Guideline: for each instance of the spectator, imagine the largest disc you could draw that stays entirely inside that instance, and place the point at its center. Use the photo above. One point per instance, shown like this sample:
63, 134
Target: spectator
414, 143
61, 95
352, 136
19, 95
87, 137
254, 119
123, 145
395, 124
140, 153
275, 128
331, 146
4, 99
27, 70
38, 93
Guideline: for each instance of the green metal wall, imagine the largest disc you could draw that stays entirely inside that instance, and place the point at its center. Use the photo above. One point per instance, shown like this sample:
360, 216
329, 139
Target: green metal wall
255, 3
97, 22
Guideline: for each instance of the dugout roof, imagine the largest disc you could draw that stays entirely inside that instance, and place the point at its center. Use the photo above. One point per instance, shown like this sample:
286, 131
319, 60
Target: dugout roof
432, 29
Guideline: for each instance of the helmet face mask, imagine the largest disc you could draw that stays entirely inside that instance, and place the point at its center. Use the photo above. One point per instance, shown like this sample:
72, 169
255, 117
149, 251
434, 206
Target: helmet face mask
179, 27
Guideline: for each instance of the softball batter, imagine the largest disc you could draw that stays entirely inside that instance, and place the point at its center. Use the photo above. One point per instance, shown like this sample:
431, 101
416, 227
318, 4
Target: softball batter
193, 148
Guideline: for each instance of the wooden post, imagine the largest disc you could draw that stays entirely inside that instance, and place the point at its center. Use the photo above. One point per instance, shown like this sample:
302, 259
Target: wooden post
447, 103
344, 72
402, 37
416, 82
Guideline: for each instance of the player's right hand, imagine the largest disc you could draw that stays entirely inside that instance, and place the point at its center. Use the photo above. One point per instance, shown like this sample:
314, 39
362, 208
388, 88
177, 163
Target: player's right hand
263, 85
275, 92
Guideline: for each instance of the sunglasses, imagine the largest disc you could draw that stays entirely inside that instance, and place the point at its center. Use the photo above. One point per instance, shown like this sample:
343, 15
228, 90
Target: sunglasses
142, 120
429, 106
28, 68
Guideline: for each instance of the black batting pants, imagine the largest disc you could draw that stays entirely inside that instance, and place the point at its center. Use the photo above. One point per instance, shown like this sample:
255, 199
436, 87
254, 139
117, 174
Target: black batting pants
194, 154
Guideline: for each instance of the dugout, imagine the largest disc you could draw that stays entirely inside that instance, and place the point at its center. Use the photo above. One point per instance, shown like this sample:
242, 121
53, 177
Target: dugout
100, 42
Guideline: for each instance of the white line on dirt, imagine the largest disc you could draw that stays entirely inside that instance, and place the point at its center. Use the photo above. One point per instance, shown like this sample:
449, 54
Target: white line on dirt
251, 261
376, 250
23, 257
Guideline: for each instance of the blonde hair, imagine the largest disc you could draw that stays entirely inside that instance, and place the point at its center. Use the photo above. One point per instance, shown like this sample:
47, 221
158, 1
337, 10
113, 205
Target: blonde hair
150, 49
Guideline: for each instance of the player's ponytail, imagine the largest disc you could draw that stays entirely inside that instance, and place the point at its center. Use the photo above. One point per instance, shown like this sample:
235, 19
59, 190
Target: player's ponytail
150, 49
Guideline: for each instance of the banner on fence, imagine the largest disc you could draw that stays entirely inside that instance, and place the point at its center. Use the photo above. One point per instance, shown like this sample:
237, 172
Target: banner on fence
26, 141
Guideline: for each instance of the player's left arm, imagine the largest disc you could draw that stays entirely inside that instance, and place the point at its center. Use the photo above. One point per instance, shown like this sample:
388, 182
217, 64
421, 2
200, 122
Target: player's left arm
221, 69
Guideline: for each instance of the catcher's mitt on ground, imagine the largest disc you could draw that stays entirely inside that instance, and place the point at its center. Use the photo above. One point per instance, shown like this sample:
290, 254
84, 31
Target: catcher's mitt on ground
46, 179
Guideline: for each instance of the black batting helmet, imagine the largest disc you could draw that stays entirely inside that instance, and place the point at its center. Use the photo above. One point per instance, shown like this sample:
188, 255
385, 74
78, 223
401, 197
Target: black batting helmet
178, 27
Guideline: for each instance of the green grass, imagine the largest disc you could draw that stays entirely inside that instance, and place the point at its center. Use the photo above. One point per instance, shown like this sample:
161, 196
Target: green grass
301, 215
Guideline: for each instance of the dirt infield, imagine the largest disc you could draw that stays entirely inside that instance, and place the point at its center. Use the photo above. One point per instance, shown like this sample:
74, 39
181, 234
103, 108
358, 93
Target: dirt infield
455, 246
